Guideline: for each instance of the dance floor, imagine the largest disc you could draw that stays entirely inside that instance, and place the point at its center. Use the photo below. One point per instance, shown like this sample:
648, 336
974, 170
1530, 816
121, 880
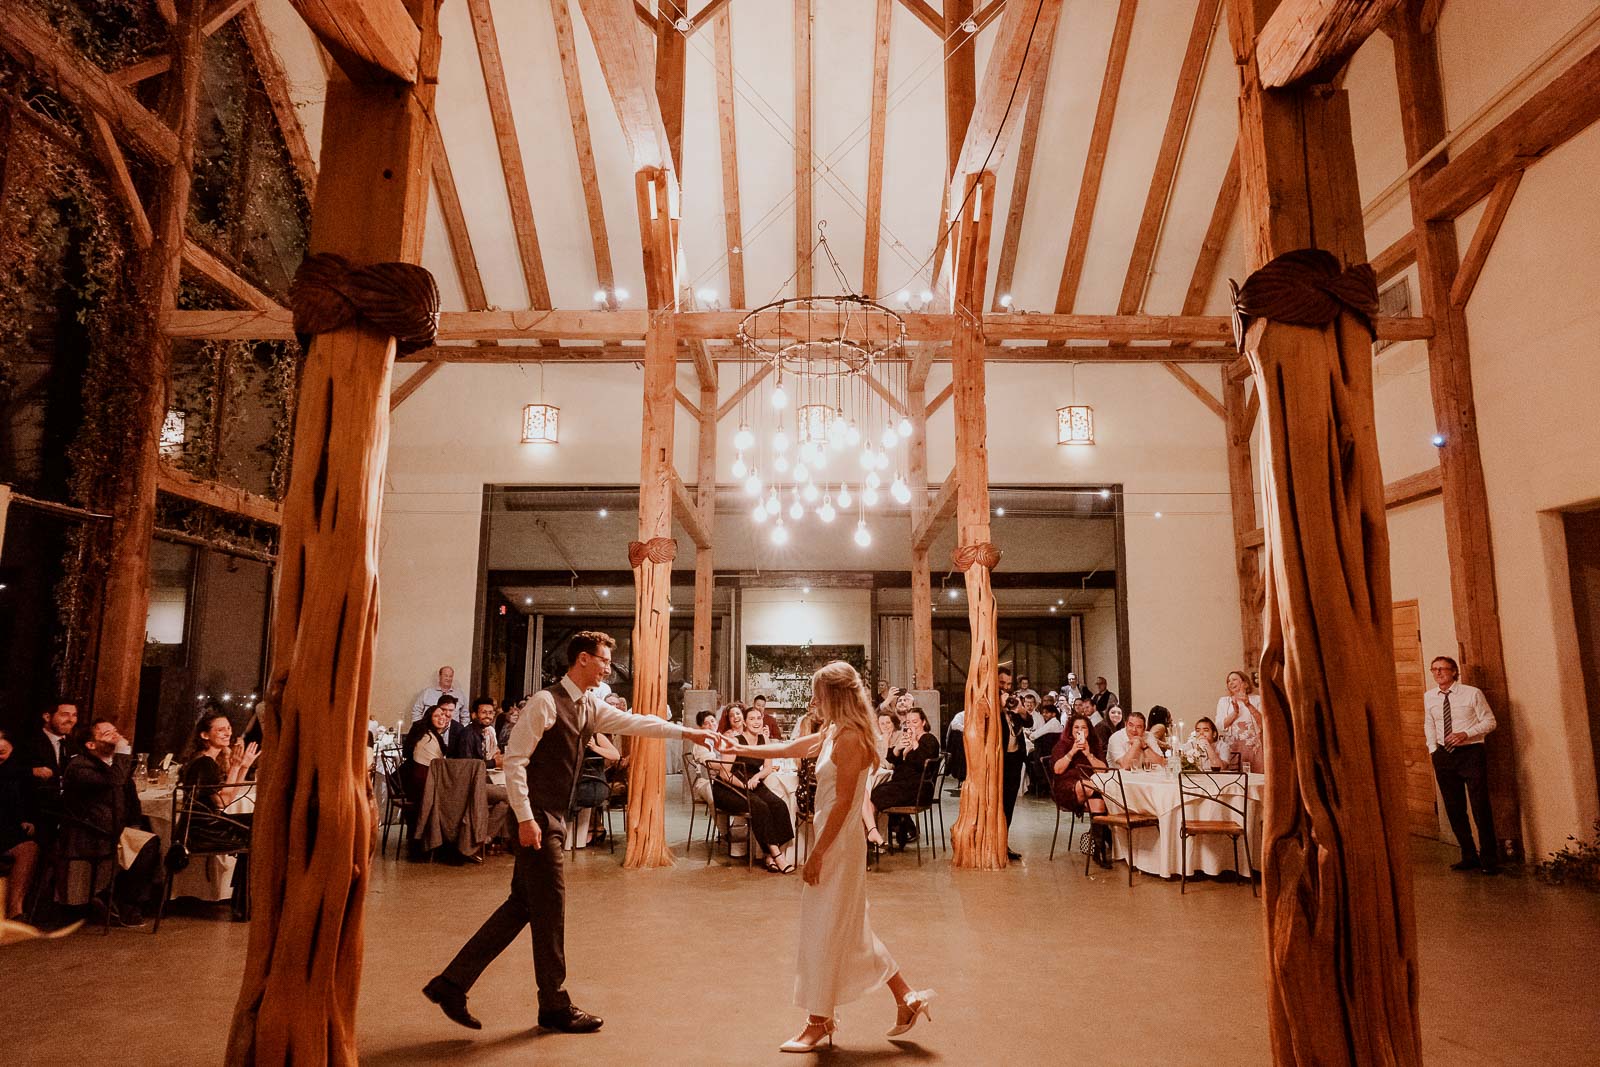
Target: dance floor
692, 966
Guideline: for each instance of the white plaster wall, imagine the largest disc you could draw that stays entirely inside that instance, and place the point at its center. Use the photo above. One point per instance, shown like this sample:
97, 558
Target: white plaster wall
790, 617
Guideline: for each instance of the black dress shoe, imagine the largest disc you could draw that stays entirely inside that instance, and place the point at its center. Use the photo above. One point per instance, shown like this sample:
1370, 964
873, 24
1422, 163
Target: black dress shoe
1013, 856
570, 1020
1465, 865
452, 1001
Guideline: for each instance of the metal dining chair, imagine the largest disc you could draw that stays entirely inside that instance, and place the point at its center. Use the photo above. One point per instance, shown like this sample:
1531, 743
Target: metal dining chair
1232, 791
1124, 819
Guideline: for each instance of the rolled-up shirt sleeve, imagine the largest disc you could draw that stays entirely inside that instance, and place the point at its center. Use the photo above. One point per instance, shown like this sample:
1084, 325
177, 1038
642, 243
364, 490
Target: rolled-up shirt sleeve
536, 718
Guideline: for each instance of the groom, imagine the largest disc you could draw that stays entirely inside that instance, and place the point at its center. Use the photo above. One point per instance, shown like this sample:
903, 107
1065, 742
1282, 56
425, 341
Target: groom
542, 759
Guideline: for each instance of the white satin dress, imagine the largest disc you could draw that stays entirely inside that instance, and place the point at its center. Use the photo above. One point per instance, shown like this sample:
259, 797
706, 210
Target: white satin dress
840, 957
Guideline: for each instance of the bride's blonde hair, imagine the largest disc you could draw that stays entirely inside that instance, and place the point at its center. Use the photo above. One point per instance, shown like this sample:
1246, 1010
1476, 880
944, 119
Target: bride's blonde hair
841, 697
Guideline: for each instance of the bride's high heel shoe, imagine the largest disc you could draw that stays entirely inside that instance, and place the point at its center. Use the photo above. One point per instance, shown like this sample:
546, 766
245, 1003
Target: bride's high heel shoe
800, 1044
916, 1003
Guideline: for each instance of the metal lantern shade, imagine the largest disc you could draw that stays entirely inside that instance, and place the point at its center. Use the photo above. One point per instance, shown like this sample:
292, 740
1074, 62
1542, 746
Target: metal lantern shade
812, 422
541, 424
1075, 425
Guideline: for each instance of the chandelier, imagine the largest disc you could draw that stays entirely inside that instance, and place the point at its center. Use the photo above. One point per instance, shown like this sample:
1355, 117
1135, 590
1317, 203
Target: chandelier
832, 411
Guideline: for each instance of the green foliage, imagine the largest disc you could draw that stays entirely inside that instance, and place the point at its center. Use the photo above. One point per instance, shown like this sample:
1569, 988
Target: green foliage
1578, 863
111, 33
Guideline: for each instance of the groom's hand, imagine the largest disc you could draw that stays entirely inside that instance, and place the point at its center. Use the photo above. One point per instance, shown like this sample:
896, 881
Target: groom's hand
529, 835
709, 738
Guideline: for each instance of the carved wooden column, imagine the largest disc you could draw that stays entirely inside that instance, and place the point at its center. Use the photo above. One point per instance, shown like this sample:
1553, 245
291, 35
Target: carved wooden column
1341, 937
313, 823
651, 556
979, 837
127, 591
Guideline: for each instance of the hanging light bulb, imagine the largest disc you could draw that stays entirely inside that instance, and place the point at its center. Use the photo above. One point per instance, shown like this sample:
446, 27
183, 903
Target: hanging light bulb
873, 481
780, 464
752, 484
836, 430
780, 534
904, 429
881, 461
760, 512
890, 438
863, 535
852, 435
826, 512
780, 399
772, 502
739, 468
780, 440
796, 512
844, 496
820, 460
900, 491
809, 493
869, 497
801, 473
745, 438
867, 462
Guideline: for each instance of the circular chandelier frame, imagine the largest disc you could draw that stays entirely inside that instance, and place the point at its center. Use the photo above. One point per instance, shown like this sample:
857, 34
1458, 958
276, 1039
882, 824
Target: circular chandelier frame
797, 332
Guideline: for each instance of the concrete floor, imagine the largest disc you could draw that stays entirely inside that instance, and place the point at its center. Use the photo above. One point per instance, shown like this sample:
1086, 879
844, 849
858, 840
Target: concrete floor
1031, 964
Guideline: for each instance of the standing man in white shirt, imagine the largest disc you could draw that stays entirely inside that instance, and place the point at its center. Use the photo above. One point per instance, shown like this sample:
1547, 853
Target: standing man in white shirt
1456, 720
542, 758
446, 687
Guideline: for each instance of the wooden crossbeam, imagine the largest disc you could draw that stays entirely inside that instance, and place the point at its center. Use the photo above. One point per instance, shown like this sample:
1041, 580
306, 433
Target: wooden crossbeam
1201, 393
938, 513
687, 512
366, 37
728, 141
413, 382
145, 68
1019, 46
1308, 40
510, 149
750, 384
1022, 177
1094, 162
41, 50
873, 240
209, 266
229, 498
275, 82
630, 78
1549, 118
926, 15
940, 397
106, 150
1477, 253
711, 10
672, 55
622, 352
888, 398
593, 325
688, 405
588, 173
1165, 174
804, 233
1396, 258
1414, 487
220, 13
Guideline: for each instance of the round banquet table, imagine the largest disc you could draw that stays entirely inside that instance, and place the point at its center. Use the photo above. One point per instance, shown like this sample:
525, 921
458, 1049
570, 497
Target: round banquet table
206, 877
1159, 849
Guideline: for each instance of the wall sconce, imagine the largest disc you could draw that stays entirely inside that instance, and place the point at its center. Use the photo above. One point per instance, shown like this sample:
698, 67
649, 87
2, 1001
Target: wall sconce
173, 432
1075, 425
541, 424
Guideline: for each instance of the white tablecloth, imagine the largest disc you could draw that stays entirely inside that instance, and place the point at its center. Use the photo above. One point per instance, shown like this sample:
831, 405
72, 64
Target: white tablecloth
1159, 849
207, 878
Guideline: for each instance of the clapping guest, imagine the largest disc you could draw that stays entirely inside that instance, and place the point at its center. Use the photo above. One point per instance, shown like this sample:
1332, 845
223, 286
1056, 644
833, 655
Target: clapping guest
1239, 719
216, 778
911, 748
17, 843
1130, 747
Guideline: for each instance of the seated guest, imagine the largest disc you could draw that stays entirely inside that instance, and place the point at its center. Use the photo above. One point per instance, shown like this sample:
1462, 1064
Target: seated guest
477, 739
506, 720
1130, 747
43, 752
217, 778
698, 755
592, 792
1215, 754
1105, 724
757, 725
429, 738
17, 844
1075, 759
911, 748
100, 801
888, 727
1159, 739
1043, 739
1158, 724
805, 793
806, 724
742, 790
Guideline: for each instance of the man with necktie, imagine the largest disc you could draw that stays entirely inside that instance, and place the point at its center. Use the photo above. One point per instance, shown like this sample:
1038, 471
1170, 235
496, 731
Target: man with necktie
1456, 720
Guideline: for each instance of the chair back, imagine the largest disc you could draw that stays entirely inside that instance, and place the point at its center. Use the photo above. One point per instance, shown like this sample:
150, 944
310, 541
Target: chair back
389, 764
722, 771
928, 781
1231, 789
194, 803
1122, 795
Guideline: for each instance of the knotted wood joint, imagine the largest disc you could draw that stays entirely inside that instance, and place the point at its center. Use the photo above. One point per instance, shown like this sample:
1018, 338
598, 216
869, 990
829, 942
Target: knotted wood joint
1305, 288
983, 553
401, 299
656, 550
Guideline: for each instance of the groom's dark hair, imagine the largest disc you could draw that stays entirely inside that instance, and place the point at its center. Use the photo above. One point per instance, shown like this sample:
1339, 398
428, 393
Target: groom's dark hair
590, 641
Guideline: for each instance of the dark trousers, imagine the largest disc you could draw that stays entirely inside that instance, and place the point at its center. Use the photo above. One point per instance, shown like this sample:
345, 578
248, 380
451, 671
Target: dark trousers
767, 812
955, 745
1462, 773
537, 901
1011, 780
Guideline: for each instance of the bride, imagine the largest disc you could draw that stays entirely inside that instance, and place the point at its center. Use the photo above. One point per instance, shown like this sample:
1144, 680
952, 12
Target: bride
840, 957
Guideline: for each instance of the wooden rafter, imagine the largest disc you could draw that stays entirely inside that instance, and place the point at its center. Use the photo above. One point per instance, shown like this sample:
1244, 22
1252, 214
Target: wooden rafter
1023, 176
938, 513
687, 512
455, 224
1477, 253
229, 498
1221, 355
710, 11
220, 13
630, 79
803, 230
588, 173
1143, 257
275, 81
209, 266
1021, 44
1205, 267
1414, 487
134, 73
883, 393
728, 141
1094, 163
111, 159
940, 397
926, 14
672, 54
366, 37
1307, 40
1201, 393
727, 406
505, 135
1396, 258
875, 142
416, 380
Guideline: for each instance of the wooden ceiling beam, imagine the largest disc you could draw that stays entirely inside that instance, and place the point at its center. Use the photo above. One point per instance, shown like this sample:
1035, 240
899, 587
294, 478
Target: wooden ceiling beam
220, 13
873, 239
510, 149
621, 352
1549, 118
728, 141
588, 173
938, 513
941, 396
672, 54
1414, 487
106, 150
926, 15
727, 407
710, 11
1021, 42
1022, 177
229, 498
41, 50
209, 266
1205, 271
1396, 258
416, 380
455, 225
1306, 41
1142, 259
275, 82
367, 38
145, 68
803, 222
1094, 162
592, 325
630, 78
687, 512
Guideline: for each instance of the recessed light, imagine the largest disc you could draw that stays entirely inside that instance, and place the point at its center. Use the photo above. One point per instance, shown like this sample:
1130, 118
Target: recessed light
1059, 601
605, 592
1105, 494
572, 607
999, 511
1158, 514
803, 589
1052, 609
953, 594
527, 600
604, 513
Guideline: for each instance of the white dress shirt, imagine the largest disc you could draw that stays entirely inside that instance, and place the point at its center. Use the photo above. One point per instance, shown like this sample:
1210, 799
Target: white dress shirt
595, 715
1044, 735
430, 696
1119, 743
1469, 714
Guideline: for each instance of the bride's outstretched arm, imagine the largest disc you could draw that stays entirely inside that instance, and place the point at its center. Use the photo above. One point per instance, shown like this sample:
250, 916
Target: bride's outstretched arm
800, 748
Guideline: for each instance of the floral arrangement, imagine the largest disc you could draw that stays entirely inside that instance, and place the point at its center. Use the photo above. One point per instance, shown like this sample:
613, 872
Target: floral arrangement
1193, 752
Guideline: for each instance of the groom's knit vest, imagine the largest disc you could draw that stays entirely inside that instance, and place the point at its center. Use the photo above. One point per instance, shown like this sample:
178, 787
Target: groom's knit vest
553, 767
